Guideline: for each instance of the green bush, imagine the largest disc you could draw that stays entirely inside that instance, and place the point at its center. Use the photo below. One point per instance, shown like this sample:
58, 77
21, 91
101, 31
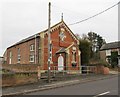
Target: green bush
114, 59
85, 51
113, 64
103, 63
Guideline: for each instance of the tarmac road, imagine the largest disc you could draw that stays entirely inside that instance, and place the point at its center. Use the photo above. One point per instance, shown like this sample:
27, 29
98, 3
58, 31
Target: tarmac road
96, 88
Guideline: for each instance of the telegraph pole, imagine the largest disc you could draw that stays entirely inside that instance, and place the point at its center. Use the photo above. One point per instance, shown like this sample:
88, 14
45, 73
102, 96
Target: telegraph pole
49, 40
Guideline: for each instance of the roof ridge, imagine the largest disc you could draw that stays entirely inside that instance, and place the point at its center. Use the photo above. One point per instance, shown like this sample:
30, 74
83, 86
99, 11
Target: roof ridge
113, 42
111, 45
32, 36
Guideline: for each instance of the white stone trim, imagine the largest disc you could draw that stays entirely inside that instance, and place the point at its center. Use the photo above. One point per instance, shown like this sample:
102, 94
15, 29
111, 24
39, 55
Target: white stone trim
62, 24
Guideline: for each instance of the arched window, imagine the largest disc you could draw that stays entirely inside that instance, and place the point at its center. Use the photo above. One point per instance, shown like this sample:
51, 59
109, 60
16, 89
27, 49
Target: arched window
73, 56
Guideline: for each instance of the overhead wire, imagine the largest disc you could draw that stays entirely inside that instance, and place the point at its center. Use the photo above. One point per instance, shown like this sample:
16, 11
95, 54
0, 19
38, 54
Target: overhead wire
94, 15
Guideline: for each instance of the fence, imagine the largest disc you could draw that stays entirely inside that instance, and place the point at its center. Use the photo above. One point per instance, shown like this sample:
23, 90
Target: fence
72, 70
33, 68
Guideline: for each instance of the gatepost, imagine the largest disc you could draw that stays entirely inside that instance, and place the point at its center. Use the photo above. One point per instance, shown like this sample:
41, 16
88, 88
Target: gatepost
39, 72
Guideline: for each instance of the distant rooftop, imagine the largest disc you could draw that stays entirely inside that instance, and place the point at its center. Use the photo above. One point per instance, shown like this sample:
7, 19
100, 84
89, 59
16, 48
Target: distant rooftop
111, 45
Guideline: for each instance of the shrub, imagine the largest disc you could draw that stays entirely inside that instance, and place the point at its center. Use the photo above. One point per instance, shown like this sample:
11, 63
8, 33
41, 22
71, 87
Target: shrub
103, 63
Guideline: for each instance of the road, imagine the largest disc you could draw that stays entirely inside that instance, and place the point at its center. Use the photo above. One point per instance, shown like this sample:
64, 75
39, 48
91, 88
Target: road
96, 88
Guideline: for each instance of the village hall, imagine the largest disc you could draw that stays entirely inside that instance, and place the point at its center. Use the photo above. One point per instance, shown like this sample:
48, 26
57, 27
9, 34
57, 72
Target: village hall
34, 49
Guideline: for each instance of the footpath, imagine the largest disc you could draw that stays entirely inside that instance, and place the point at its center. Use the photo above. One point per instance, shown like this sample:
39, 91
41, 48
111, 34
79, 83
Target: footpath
44, 85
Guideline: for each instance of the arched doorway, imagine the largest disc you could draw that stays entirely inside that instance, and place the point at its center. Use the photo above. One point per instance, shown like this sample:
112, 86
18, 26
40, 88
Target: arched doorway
60, 63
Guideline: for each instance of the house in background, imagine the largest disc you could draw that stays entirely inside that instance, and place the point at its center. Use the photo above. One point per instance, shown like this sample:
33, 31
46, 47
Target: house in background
34, 49
110, 49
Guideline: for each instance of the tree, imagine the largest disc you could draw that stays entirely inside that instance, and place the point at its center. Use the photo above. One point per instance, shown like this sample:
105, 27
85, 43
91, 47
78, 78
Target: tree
114, 59
84, 37
96, 41
85, 51
100, 42
90, 44
93, 39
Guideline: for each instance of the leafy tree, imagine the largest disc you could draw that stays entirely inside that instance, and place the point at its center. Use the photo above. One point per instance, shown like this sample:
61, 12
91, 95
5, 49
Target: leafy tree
92, 36
90, 44
85, 51
100, 42
93, 39
96, 41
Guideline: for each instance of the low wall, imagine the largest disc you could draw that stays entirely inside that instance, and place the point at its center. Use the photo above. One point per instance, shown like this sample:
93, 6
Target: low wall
18, 79
101, 70
19, 74
20, 67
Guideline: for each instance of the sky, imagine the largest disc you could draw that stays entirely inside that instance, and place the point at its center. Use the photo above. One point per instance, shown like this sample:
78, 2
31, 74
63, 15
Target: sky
20, 19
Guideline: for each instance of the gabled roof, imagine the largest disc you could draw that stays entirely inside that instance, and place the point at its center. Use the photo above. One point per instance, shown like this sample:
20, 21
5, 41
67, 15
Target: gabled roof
45, 31
60, 24
112, 45
26, 39
61, 50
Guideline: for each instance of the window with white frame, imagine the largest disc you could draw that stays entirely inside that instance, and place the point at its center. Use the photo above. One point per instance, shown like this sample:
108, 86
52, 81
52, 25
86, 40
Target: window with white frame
108, 52
31, 47
10, 54
108, 60
119, 62
32, 58
119, 51
19, 55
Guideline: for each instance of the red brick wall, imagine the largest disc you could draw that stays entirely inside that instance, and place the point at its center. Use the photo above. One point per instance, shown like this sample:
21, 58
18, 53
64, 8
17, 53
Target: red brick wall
24, 52
57, 44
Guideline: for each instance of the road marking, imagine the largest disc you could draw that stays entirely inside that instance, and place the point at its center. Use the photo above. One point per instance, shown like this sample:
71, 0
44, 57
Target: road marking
102, 94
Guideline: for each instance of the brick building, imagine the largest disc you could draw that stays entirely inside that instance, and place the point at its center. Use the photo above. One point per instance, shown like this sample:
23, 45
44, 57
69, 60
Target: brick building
34, 49
107, 50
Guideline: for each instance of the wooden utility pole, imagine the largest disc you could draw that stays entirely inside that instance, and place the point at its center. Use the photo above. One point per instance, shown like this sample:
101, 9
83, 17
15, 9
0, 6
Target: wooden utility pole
49, 40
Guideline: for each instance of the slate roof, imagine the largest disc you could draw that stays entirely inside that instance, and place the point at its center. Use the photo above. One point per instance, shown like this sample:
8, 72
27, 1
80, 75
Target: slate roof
37, 35
112, 45
26, 39
32, 37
